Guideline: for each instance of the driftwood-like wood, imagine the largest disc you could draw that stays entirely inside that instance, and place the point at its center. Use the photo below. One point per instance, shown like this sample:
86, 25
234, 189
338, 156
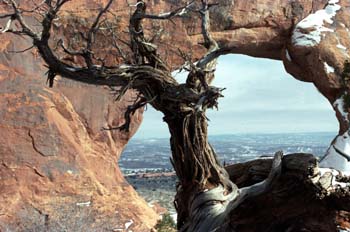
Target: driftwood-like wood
300, 200
280, 194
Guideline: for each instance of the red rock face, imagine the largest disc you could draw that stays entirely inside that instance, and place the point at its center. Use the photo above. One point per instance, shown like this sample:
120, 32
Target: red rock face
58, 169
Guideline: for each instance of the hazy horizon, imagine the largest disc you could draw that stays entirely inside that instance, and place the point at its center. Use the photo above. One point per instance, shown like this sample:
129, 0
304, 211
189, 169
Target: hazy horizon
166, 136
260, 97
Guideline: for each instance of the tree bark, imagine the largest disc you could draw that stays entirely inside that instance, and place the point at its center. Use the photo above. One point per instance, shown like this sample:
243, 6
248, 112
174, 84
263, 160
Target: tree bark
194, 160
300, 200
286, 194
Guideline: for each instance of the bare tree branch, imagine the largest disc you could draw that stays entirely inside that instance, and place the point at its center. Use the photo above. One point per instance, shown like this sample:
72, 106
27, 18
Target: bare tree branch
24, 50
18, 16
67, 50
213, 55
203, 74
139, 103
205, 194
36, 8
144, 51
209, 42
179, 12
6, 16
115, 42
91, 36
8, 25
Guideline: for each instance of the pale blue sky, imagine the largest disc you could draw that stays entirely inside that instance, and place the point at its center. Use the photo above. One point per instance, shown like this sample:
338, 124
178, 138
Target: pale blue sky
260, 97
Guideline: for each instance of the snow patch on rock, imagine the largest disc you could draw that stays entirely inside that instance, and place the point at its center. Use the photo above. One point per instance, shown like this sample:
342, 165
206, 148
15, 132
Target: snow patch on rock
329, 69
128, 224
88, 203
340, 105
343, 230
339, 45
335, 173
309, 31
338, 154
325, 170
174, 216
333, 159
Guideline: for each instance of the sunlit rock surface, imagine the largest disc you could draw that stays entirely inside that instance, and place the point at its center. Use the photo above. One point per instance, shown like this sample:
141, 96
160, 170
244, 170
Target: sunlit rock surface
59, 170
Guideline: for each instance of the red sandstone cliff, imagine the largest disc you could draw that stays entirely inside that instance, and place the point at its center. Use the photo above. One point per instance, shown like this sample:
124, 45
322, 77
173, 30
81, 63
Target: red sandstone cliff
59, 170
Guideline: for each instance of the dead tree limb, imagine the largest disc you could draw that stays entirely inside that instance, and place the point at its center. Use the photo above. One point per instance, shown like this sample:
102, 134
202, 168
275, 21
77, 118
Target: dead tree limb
207, 199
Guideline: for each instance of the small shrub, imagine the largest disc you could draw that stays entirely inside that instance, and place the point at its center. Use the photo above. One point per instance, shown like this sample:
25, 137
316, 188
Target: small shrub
167, 224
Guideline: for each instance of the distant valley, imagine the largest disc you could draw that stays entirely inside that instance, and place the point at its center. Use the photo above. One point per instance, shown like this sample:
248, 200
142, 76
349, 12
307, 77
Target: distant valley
146, 165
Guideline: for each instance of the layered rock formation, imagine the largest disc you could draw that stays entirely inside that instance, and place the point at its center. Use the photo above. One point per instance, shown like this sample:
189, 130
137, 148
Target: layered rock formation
312, 40
59, 170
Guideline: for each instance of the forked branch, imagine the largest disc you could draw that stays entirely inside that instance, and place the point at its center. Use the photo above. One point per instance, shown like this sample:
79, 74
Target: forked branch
87, 53
203, 73
179, 12
17, 15
139, 103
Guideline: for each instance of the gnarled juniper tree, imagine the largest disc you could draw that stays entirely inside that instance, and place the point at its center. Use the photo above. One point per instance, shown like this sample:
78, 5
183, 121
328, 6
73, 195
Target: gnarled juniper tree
206, 197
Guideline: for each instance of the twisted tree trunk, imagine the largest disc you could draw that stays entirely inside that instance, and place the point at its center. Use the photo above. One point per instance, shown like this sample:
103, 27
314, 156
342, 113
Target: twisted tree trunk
194, 160
206, 199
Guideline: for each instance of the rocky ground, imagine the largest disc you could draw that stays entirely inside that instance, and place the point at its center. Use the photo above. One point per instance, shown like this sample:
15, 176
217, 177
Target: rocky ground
156, 188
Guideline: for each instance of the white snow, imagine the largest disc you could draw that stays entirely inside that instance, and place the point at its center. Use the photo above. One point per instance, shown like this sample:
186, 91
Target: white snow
325, 170
329, 69
343, 230
308, 32
288, 55
83, 203
174, 216
339, 105
333, 159
151, 204
128, 224
341, 46
334, 172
